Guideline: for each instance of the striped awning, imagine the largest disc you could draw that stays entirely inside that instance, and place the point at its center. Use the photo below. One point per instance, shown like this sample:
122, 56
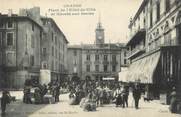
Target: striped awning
143, 69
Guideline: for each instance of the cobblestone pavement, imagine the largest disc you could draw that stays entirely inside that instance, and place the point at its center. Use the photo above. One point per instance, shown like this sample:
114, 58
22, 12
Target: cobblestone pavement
63, 109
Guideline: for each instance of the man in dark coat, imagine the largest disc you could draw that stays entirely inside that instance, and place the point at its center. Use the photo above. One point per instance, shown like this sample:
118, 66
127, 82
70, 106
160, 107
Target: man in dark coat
173, 101
125, 94
136, 94
4, 101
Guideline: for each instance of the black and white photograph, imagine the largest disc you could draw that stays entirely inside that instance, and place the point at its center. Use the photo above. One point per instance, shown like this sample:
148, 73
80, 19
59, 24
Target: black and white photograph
90, 58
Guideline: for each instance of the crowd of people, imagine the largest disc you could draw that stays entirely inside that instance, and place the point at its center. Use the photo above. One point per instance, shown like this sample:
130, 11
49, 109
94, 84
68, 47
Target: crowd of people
39, 91
91, 94
88, 94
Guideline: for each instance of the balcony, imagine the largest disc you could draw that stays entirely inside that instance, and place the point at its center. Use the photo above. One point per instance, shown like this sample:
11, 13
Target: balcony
114, 62
136, 51
137, 37
88, 62
97, 62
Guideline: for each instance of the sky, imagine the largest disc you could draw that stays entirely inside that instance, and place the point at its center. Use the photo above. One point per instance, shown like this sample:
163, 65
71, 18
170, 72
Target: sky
113, 14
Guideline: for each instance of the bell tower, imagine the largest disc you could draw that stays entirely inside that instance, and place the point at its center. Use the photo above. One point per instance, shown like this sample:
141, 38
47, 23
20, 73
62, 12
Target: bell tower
99, 33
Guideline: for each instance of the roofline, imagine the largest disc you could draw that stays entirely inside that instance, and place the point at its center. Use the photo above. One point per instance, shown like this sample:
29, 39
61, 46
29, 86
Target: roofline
20, 17
144, 2
56, 27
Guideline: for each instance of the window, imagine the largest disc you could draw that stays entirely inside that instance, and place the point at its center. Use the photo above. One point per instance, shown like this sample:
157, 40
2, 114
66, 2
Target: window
114, 68
96, 57
124, 53
52, 66
113, 57
9, 24
32, 60
32, 27
75, 62
32, 41
75, 53
56, 54
158, 11
105, 68
105, 57
97, 68
44, 51
151, 18
41, 35
144, 22
9, 39
52, 51
88, 68
88, 57
55, 40
1, 24
56, 66
167, 4
52, 36
124, 61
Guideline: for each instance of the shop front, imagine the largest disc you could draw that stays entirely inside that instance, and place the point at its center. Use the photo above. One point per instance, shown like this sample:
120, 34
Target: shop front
158, 72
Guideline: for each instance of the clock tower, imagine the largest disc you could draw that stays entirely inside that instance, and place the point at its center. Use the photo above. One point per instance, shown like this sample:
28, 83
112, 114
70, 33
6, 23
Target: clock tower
99, 34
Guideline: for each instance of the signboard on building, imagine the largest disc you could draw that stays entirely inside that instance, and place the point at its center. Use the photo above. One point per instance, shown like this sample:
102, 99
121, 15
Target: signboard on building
108, 78
45, 76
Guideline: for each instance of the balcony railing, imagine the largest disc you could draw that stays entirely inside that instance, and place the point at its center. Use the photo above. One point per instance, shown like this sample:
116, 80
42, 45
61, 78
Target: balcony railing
105, 62
135, 51
114, 62
97, 62
137, 36
88, 62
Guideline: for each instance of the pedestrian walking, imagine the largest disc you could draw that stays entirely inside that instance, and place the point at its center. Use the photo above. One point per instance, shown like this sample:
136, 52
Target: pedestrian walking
4, 101
57, 93
136, 94
173, 101
125, 94
117, 95
37, 95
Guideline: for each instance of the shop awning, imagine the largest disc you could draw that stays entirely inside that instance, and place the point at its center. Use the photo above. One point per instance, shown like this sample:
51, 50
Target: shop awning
122, 76
143, 69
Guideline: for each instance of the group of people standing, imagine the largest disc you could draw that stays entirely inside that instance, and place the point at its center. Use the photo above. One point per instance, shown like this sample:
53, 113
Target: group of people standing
92, 94
40, 91
122, 92
121, 95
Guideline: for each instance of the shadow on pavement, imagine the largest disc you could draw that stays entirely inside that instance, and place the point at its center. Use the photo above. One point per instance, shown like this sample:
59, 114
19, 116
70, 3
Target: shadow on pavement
20, 109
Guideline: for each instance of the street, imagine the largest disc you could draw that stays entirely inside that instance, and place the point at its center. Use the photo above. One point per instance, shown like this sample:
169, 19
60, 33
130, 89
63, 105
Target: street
63, 109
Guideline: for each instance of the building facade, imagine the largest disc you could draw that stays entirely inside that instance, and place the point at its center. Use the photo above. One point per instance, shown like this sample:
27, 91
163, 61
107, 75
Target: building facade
154, 46
54, 49
96, 61
20, 50
23, 40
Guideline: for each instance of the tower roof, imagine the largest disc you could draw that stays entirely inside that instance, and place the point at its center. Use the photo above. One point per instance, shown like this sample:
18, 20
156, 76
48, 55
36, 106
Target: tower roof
99, 24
